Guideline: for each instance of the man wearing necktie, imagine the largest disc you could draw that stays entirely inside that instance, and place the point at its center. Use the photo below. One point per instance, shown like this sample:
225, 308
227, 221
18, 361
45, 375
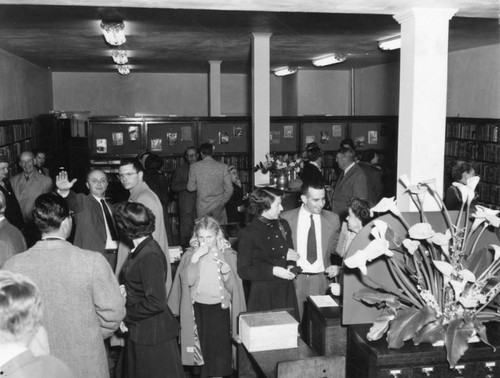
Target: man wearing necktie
315, 234
95, 226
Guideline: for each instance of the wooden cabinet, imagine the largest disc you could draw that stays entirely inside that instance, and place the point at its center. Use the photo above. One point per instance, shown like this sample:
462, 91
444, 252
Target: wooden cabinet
372, 359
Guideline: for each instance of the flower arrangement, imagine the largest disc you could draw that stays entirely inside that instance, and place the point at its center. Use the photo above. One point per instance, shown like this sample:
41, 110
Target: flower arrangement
446, 286
277, 164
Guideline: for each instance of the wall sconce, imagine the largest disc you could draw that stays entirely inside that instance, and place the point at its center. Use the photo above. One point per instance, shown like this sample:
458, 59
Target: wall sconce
329, 59
123, 69
113, 32
119, 56
392, 43
283, 71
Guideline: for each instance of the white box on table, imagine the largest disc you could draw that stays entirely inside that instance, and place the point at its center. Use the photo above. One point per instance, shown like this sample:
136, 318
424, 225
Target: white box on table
270, 330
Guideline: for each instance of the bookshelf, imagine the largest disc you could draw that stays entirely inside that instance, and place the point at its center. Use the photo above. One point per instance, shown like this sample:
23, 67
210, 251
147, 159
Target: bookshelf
478, 141
16, 136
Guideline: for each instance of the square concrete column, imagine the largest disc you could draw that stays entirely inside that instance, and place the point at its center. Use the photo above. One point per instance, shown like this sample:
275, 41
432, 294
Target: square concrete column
422, 98
260, 101
214, 88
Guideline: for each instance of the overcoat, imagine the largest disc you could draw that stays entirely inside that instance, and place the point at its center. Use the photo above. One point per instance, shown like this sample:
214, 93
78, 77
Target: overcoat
181, 300
27, 191
82, 302
351, 184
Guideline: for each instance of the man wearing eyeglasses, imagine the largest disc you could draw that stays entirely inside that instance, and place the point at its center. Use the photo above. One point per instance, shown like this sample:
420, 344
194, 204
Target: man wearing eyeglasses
132, 178
95, 226
82, 300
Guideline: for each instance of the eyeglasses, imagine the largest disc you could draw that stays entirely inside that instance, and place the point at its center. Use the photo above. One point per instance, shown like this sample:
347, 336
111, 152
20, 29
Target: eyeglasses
128, 175
70, 214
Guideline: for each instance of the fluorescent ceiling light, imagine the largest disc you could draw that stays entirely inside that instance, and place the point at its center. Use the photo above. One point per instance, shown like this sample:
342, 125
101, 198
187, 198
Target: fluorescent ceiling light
113, 32
393, 43
329, 59
123, 69
283, 71
119, 56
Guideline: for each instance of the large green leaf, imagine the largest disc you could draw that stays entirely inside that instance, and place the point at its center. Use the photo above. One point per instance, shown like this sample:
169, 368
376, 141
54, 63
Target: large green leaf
456, 339
407, 323
374, 297
379, 327
431, 333
481, 332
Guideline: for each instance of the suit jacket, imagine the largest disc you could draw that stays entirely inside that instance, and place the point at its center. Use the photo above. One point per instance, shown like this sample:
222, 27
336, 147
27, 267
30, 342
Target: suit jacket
187, 200
213, 185
82, 302
149, 319
90, 231
12, 210
373, 181
142, 194
27, 365
11, 241
330, 229
27, 191
352, 184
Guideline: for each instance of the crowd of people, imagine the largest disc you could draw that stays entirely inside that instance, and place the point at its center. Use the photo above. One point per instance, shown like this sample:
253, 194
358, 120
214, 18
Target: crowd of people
82, 277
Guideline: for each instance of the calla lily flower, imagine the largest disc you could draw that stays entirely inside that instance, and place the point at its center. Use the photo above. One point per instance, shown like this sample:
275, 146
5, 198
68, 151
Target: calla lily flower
379, 229
411, 245
468, 191
484, 214
457, 279
496, 249
374, 250
419, 190
443, 241
421, 231
386, 204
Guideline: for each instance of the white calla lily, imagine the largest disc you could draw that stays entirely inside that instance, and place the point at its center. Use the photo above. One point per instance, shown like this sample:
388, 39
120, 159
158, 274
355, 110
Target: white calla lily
421, 231
484, 214
411, 245
468, 191
387, 204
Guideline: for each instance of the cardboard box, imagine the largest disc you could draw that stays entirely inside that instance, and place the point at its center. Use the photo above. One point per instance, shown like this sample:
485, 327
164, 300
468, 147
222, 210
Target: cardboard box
270, 330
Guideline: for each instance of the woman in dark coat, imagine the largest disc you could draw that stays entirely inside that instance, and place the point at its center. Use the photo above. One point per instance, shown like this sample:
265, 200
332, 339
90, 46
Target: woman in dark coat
151, 349
266, 256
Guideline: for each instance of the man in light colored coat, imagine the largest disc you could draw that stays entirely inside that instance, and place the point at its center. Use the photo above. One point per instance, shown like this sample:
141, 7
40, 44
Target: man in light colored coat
131, 174
83, 304
213, 185
316, 229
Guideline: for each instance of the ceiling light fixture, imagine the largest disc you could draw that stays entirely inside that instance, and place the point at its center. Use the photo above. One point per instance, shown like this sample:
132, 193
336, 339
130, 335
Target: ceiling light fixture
329, 59
123, 69
392, 43
119, 56
113, 32
283, 71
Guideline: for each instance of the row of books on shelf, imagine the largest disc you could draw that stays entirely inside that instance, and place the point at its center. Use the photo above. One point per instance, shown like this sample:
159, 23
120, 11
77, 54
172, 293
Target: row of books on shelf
489, 193
12, 151
472, 150
16, 132
487, 132
489, 172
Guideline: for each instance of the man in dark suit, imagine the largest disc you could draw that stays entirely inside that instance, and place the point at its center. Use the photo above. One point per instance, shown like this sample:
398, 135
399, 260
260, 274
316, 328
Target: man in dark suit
187, 200
95, 227
13, 210
11, 239
315, 234
351, 183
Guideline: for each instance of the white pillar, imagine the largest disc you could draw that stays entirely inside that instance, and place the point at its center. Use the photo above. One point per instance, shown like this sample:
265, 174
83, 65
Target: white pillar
214, 85
422, 97
260, 100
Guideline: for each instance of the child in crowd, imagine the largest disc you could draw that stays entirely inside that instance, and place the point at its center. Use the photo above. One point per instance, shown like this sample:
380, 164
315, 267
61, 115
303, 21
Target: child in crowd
208, 295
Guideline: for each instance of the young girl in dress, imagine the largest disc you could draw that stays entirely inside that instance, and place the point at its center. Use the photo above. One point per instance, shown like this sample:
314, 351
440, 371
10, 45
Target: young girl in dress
208, 295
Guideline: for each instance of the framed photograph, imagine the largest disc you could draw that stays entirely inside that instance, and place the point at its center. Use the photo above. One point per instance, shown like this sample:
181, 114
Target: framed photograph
117, 139
101, 146
337, 131
288, 131
133, 132
223, 138
324, 137
156, 144
310, 139
274, 137
186, 133
372, 137
172, 137
237, 131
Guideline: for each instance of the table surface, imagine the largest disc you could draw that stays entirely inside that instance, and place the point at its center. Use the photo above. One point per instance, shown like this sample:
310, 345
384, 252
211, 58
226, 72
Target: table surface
267, 361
